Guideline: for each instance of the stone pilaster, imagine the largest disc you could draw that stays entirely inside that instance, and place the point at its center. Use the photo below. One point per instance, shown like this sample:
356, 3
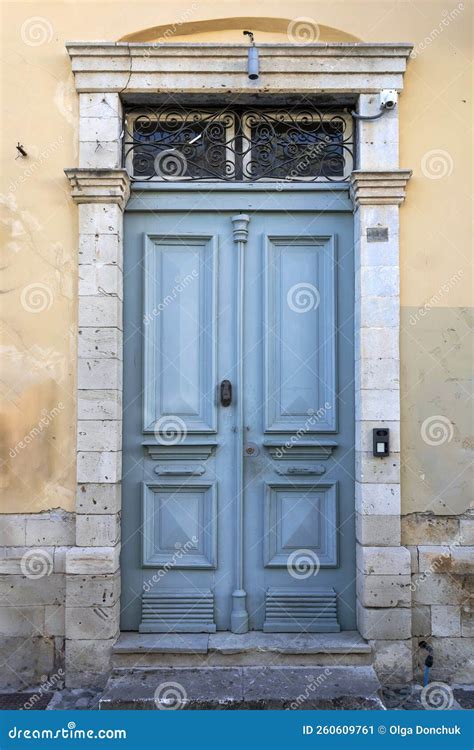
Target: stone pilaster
92, 566
383, 566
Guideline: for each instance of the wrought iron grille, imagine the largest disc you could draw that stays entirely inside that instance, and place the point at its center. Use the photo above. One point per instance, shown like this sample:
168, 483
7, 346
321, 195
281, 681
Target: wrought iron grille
286, 145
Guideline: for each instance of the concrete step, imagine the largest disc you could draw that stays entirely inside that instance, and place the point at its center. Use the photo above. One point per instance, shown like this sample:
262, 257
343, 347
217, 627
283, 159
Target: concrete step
257, 688
134, 650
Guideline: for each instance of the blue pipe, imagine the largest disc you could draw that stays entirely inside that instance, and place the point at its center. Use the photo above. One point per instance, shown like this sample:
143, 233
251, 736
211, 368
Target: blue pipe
426, 676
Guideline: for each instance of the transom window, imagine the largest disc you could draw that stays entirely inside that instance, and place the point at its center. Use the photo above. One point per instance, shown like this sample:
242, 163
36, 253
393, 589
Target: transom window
286, 145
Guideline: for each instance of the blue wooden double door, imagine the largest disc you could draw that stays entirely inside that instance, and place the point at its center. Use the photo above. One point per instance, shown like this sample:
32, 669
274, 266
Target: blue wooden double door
238, 489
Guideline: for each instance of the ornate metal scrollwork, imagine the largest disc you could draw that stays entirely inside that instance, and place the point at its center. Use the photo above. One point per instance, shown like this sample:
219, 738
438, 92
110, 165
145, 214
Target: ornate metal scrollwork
286, 145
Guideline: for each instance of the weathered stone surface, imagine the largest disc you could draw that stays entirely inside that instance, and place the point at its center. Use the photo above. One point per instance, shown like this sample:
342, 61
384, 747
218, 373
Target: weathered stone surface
54, 620
100, 310
454, 662
88, 662
377, 499
100, 218
13, 530
445, 620
443, 559
92, 591
19, 590
421, 620
98, 498
368, 468
99, 467
21, 621
93, 560
383, 531
429, 529
246, 687
25, 661
100, 248
414, 558
393, 661
432, 588
92, 623
384, 624
49, 529
98, 530
11, 559
467, 621
100, 343
383, 560
373, 404
97, 374
162, 643
99, 404
466, 531
99, 435
462, 560
99, 279
376, 342
384, 591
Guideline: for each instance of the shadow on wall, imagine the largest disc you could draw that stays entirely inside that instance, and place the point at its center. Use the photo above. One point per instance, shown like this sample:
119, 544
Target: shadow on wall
300, 30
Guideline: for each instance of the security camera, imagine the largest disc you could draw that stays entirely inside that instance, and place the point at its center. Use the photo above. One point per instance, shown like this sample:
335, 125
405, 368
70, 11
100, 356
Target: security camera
388, 99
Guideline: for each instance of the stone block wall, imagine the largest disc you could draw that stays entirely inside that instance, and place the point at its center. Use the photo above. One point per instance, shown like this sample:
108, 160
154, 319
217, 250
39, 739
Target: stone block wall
442, 588
32, 596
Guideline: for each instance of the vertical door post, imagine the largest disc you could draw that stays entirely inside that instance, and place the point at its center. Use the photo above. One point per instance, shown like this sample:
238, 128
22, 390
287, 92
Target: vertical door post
239, 617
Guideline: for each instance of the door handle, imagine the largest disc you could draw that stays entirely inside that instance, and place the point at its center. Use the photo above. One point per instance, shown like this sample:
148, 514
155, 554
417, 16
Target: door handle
226, 393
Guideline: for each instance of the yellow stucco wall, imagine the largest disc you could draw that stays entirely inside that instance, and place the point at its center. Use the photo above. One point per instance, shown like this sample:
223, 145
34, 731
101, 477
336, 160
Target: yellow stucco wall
38, 219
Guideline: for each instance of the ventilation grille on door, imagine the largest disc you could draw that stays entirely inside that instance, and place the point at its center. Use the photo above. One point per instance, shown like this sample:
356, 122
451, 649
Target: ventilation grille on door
173, 611
301, 611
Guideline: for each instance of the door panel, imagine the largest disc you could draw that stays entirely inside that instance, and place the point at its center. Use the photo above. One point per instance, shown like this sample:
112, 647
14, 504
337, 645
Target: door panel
180, 331
299, 331
181, 520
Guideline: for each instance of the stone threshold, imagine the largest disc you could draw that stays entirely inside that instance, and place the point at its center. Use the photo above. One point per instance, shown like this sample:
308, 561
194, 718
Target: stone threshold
254, 648
252, 688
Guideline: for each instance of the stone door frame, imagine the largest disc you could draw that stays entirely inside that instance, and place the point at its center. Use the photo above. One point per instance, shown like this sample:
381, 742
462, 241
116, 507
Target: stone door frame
108, 74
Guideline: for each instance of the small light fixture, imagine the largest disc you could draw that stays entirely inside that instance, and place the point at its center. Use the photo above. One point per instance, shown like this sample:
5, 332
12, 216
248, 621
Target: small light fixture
252, 61
21, 150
